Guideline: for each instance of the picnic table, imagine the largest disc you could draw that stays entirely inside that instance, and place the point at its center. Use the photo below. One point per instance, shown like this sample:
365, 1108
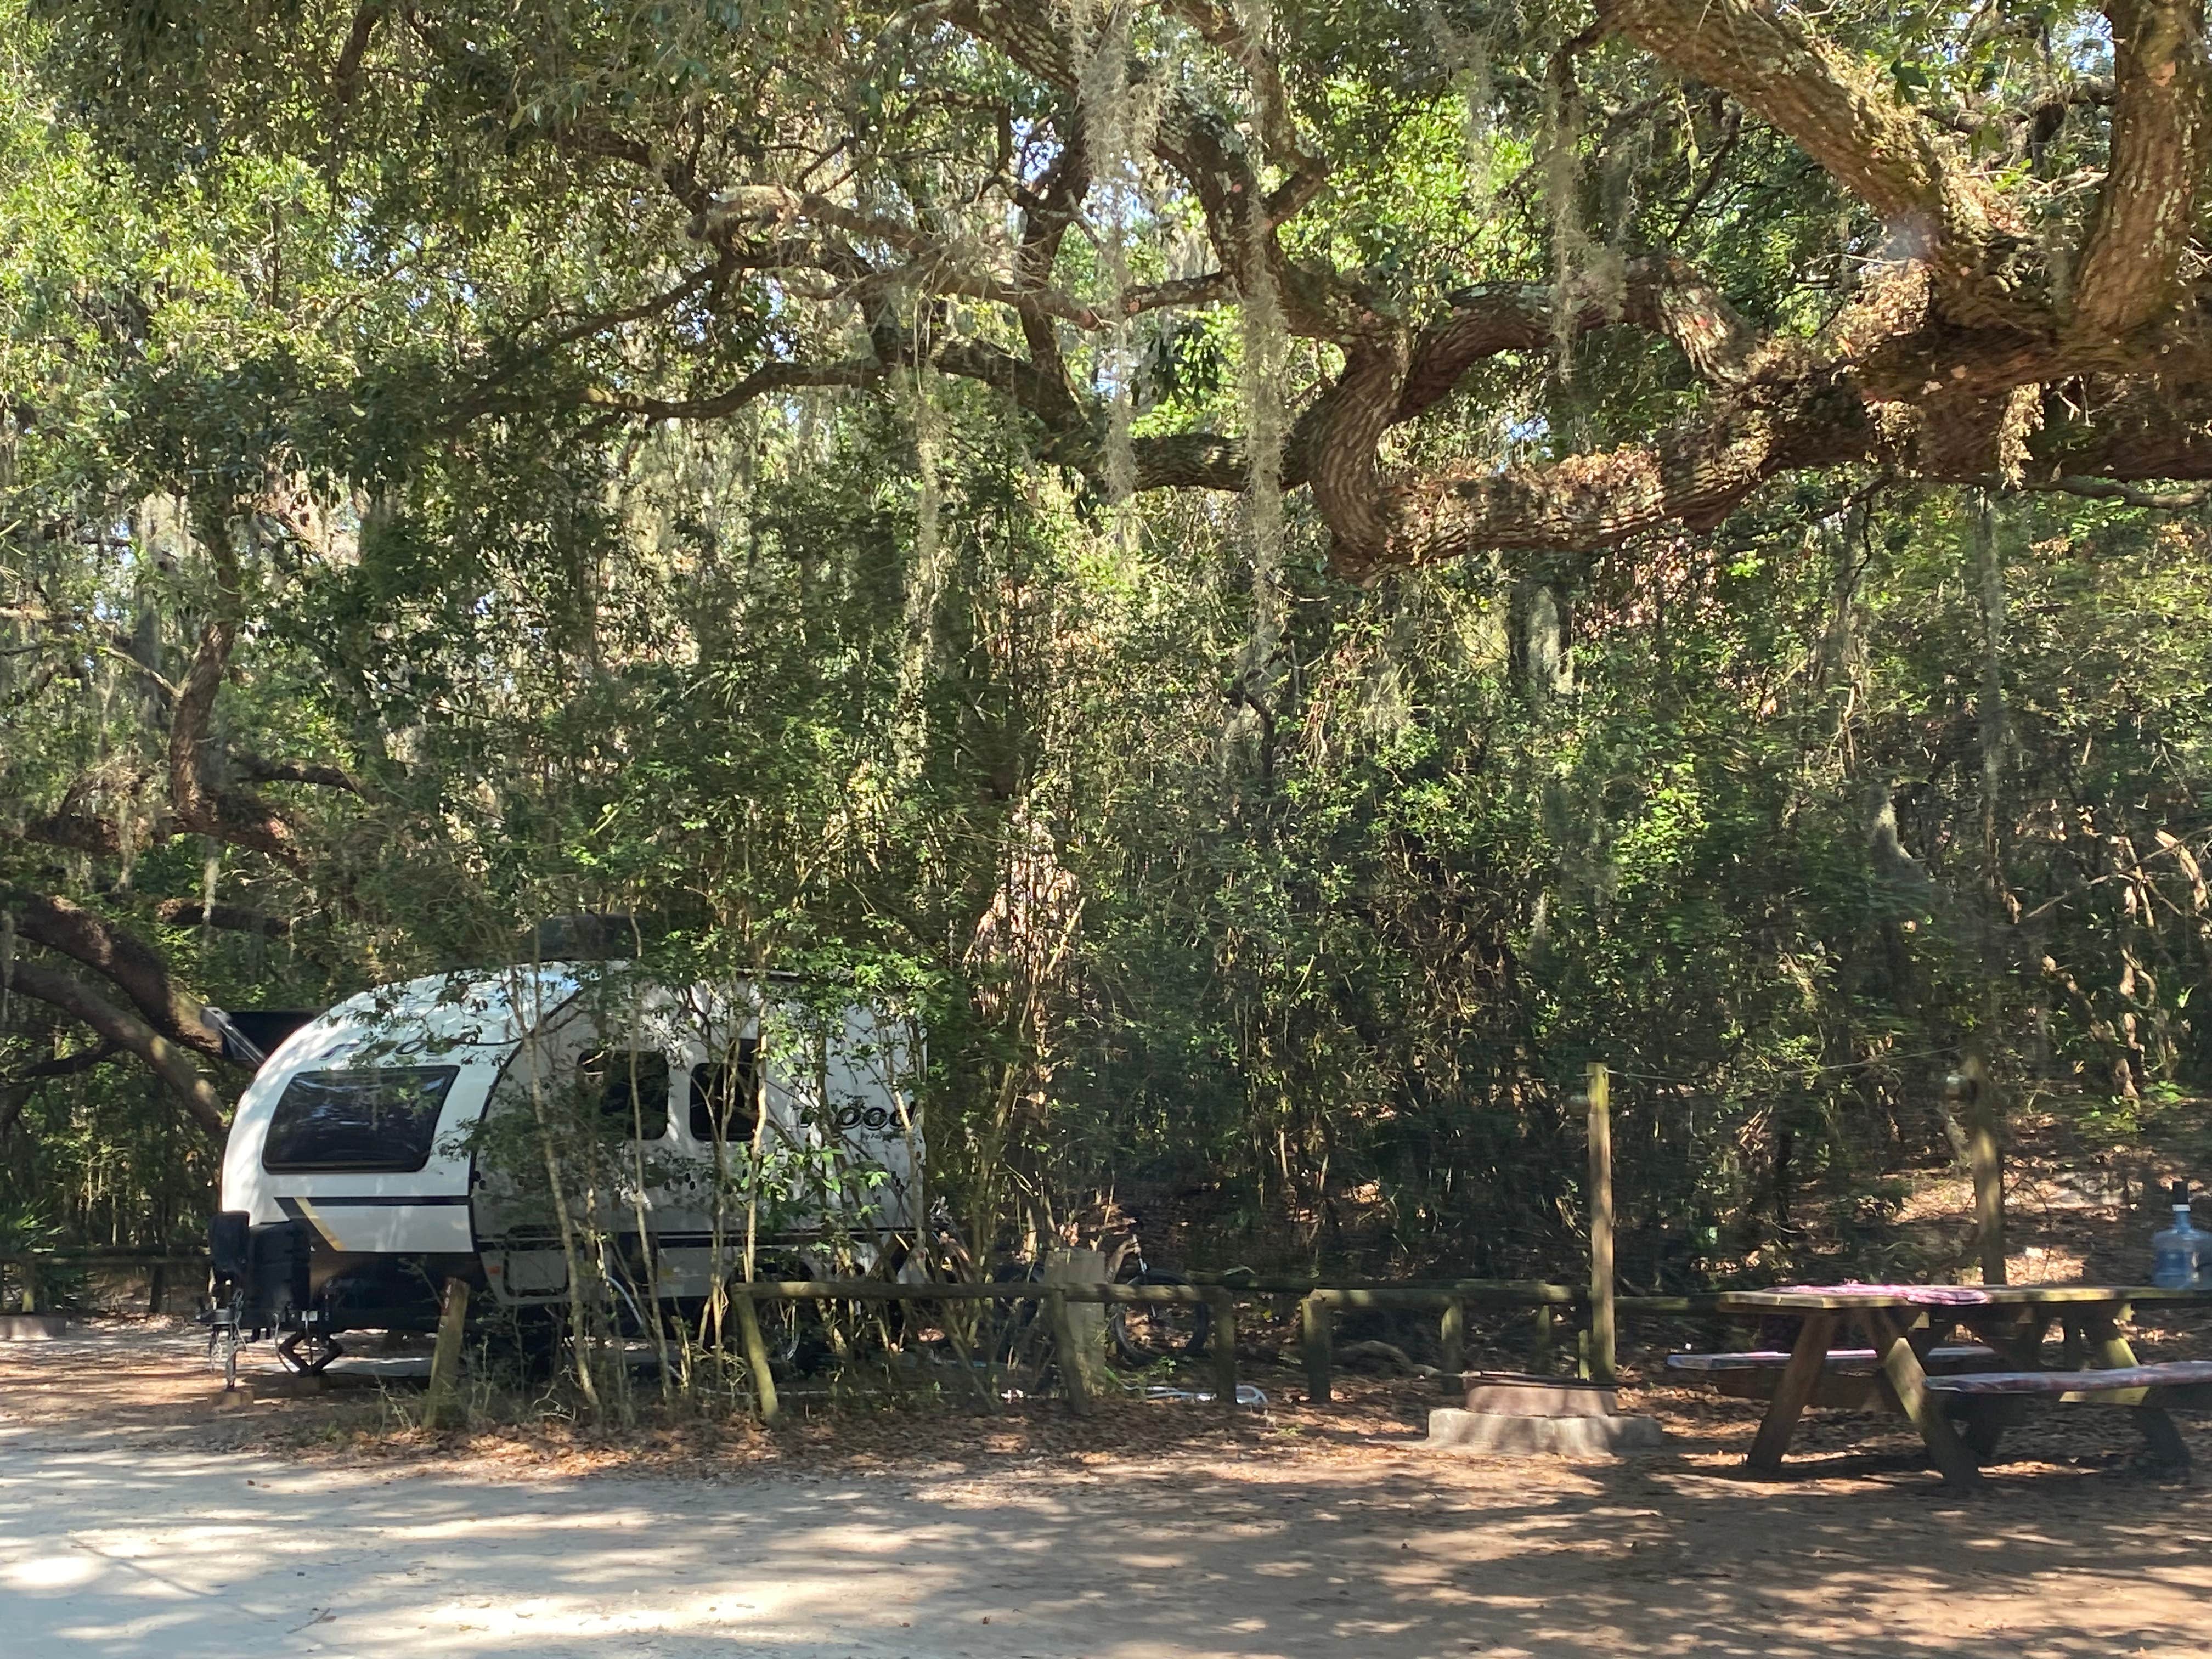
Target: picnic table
1991, 1379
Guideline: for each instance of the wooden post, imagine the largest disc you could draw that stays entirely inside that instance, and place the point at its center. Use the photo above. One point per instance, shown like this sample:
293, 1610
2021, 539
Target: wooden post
749, 1329
1451, 1344
29, 1270
1085, 1348
1224, 1346
1067, 1349
1542, 1357
157, 1288
446, 1357
1602, 1368
1314, 1320
1978, 1095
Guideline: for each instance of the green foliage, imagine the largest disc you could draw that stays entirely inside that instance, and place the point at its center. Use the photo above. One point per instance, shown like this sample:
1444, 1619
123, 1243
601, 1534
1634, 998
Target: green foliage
1308, 936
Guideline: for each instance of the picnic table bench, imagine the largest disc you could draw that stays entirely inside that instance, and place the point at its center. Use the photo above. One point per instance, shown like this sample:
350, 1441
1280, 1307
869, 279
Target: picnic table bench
1908, 1368
1848, 1375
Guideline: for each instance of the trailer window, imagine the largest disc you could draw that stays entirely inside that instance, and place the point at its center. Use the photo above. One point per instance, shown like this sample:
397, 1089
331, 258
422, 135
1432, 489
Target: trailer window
382, 1120
632, 1090
726, 1098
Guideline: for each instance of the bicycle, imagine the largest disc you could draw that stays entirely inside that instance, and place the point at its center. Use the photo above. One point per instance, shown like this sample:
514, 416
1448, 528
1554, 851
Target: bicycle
1144, 1333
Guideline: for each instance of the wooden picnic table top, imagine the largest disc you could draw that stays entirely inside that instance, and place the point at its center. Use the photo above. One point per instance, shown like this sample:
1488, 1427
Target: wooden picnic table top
1811, 1298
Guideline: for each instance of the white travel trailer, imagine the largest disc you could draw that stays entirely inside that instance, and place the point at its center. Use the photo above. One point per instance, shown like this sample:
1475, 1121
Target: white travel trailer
404, 1138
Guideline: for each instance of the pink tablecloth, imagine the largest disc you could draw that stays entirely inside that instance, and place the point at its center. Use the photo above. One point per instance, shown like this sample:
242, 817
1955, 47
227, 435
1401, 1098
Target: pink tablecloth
1917, 1296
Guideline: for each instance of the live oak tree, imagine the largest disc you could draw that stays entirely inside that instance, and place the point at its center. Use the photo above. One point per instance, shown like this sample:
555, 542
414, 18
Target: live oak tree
1993, 277
124, 783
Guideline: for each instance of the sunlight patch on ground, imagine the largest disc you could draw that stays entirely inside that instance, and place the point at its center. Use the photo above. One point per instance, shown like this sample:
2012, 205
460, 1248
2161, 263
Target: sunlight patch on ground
50, 1572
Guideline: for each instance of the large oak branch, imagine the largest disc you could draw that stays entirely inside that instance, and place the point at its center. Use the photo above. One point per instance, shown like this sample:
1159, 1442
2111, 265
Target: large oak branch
1693, 477
2144, 216
126, 962
1834, 103
201, 806
235, 918
165, 1058
1211, 157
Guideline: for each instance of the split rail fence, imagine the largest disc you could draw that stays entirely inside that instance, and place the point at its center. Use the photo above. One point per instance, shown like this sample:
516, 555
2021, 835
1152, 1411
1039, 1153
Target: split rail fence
32, 1270
1318, 1305
1589, 1310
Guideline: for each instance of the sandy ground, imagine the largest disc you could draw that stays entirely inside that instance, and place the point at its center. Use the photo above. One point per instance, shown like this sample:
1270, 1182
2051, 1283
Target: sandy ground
138, 1516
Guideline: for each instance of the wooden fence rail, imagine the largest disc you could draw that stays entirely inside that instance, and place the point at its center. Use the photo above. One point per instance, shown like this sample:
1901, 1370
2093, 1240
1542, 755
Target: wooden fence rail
1317, 1308
1052, 1297
1318, 1305
30, 1265
1318, 1302
105, 1258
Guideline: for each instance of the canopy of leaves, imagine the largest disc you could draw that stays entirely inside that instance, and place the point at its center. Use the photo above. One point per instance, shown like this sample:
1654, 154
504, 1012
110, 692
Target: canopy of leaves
1281, 579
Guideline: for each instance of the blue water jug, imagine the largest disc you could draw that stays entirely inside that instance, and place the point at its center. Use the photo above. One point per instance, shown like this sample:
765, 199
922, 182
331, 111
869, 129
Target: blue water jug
2177, 1252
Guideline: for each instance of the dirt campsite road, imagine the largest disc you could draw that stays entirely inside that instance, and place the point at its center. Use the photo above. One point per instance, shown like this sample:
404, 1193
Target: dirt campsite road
127, 1529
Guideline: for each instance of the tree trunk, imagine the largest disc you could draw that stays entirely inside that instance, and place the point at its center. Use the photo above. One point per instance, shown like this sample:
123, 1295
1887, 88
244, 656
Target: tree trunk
1988, 570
